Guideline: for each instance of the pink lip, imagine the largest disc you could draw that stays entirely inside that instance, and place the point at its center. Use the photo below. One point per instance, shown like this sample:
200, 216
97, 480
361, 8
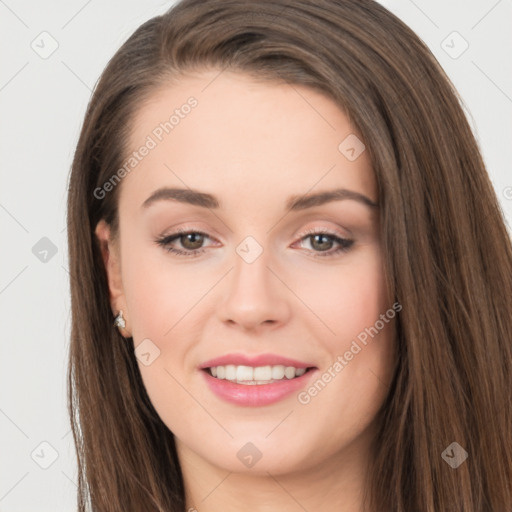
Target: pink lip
258, 394
259, 360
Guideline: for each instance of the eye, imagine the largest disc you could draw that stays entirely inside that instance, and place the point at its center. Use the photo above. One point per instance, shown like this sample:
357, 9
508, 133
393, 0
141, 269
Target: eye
191, 241
321, 242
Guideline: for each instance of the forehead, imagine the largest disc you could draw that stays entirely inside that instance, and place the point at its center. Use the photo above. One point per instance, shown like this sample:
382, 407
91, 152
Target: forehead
226, 133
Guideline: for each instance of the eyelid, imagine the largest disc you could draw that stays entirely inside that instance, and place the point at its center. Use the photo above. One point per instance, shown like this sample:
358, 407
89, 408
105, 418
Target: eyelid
327, 231
176, 232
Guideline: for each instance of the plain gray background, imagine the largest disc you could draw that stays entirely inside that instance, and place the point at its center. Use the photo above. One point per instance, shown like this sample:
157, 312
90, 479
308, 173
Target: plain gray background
43, 99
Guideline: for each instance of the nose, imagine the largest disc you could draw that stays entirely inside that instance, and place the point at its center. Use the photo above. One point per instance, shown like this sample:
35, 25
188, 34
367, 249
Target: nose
254, 297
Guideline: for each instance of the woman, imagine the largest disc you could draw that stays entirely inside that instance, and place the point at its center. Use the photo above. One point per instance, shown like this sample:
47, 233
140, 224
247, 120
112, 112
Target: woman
291, 278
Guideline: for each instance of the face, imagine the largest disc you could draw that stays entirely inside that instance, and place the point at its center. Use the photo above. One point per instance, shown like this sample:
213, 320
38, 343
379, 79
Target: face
245, 270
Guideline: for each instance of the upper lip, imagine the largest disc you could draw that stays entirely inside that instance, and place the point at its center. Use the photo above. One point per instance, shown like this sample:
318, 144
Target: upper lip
254, 360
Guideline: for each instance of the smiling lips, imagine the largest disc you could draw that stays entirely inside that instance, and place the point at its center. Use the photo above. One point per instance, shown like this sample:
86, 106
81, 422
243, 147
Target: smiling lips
255, 381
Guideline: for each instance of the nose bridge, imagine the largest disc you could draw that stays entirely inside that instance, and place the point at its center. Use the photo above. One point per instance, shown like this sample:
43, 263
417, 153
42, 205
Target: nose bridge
253, 295
251, 273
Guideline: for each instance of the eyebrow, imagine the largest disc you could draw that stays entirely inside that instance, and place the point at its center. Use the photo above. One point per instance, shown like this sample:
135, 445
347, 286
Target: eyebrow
294, 203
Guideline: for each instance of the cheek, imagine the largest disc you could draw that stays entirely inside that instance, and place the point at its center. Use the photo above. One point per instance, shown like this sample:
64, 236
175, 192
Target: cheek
158, 296
157, 293
345, 299
357, 325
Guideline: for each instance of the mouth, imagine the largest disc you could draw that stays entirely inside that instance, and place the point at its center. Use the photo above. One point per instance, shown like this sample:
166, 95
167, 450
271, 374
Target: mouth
254, 376
256, 381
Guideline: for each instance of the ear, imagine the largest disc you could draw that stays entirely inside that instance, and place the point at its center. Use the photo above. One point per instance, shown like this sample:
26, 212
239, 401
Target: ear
111, 259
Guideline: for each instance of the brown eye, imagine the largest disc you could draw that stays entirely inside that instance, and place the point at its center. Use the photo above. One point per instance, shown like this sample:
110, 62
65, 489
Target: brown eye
191, 241
321, 241
184, 243
323, 244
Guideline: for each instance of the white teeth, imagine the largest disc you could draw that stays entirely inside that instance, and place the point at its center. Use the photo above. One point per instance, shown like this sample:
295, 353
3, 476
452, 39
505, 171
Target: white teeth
256, 375
289, 372
262, 373
230, 372
243, 373
278, 372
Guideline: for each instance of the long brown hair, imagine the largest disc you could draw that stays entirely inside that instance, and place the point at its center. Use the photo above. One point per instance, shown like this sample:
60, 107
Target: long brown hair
447, 253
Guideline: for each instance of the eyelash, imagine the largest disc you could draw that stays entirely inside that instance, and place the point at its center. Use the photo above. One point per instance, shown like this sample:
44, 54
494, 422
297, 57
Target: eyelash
344, 243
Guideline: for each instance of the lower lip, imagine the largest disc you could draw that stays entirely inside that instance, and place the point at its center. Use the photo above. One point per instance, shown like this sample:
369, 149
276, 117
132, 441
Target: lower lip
255, 395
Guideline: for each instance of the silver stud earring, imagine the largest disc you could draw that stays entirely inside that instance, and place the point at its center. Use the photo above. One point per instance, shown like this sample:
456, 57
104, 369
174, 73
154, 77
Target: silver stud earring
119, 321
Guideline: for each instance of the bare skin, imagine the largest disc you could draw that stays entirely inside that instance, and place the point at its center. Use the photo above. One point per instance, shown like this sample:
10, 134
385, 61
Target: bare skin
253, 145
